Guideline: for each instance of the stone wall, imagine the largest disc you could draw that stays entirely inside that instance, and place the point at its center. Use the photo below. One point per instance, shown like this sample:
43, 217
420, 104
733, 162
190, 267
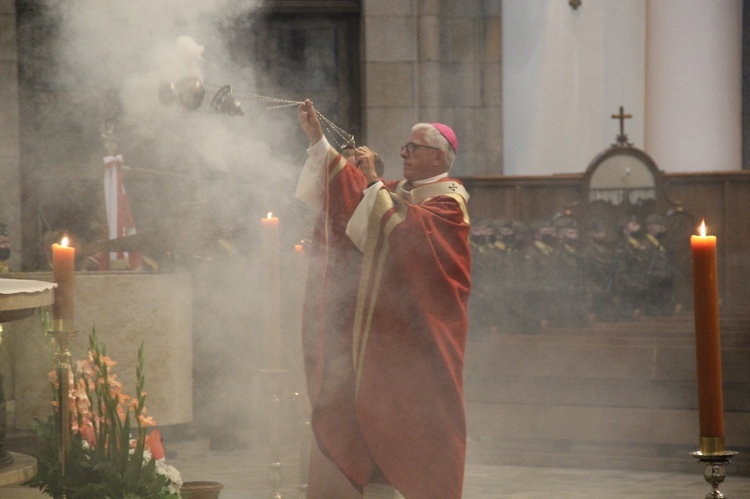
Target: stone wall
434, 60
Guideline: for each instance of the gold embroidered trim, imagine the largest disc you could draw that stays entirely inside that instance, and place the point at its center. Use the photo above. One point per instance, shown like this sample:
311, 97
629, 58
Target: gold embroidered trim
370, 281
335, 163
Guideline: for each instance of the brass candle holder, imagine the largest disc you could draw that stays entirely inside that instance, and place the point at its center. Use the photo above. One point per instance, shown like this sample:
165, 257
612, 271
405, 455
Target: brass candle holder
62, 333
714, 456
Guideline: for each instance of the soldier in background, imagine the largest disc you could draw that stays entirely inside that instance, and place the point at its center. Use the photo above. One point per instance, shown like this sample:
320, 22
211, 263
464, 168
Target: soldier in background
481, 299
505, 259
599, 272
521, 236
569, 301
660, 273
540, 277
4, 248
6, 457
632, 262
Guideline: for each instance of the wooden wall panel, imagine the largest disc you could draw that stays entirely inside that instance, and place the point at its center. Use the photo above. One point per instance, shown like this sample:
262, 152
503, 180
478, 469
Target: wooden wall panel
521, 198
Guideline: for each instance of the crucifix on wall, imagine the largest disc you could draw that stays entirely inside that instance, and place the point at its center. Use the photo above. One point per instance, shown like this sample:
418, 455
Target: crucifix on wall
622, 139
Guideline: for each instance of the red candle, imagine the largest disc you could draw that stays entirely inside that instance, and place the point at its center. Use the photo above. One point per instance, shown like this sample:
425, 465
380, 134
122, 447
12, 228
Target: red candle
271, 271
707, 343
63, 268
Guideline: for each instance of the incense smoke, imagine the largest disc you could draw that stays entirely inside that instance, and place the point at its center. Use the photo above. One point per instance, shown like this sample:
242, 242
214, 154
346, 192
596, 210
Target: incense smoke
210, 173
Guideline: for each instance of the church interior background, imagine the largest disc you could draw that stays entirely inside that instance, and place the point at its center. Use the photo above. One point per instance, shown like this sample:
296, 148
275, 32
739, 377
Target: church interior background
545, 96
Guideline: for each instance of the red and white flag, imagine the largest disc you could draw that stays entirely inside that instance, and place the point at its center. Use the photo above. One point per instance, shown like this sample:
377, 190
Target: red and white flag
119, 218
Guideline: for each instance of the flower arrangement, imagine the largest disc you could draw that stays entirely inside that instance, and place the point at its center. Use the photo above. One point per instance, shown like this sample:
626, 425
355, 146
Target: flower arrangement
108, 455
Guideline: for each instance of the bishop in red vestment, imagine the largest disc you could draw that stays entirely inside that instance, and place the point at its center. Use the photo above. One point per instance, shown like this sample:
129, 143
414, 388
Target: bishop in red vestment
385, 317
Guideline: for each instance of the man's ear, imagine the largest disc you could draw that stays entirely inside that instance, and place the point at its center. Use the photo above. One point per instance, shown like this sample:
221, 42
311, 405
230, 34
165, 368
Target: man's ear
439, 159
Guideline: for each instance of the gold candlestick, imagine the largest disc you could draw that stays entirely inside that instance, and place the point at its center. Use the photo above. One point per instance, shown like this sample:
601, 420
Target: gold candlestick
62, 334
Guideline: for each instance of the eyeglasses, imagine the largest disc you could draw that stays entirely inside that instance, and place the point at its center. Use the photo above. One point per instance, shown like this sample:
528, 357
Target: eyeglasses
411, 147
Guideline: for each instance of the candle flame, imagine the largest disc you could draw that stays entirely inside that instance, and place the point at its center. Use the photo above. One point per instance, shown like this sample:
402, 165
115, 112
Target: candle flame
64, 242
702, 228
270, 214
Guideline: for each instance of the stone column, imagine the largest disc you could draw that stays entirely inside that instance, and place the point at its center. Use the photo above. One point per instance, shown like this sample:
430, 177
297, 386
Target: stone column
459, 78
10, 154
10, 151
693, 84
434, 60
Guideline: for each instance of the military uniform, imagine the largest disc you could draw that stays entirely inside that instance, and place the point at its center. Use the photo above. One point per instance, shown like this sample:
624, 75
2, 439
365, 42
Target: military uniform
4, 248
569, 309
481, 299
6, 457
632, 269
539, 279
599, 274
660, 273
504, 261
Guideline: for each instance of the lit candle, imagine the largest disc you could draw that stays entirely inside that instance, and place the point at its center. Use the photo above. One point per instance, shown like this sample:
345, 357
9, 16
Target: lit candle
271, 272
707, 343
63, 268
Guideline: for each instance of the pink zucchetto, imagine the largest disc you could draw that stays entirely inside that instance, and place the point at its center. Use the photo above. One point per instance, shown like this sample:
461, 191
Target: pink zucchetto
448, 133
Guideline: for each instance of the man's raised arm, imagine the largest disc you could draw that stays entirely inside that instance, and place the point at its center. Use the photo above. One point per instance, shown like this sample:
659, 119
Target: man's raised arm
310, 185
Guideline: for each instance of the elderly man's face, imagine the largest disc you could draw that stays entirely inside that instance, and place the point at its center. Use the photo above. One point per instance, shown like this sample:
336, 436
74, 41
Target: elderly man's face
425, 161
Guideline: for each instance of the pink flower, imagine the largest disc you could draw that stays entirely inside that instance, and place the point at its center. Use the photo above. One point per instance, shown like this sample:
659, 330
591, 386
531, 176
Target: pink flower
146, 421
107, 361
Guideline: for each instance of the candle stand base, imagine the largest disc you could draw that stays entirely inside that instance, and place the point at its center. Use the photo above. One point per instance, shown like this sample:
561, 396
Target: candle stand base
714, 473
274, 380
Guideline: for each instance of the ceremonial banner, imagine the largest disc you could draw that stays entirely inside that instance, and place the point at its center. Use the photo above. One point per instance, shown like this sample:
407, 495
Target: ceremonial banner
119, 218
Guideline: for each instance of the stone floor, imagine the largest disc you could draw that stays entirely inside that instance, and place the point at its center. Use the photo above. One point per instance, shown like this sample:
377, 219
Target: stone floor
244, 475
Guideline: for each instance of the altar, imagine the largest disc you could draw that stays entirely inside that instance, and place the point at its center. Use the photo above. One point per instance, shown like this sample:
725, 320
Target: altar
127, 309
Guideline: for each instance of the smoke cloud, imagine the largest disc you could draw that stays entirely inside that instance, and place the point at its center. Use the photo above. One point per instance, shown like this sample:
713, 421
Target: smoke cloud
209, 171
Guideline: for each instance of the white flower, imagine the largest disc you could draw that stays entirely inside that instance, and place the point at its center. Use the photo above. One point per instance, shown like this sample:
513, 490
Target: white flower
172, 474
174, 478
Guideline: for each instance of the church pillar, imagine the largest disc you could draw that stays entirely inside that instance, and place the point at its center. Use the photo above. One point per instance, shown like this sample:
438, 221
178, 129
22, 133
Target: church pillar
693, 84
10, 152
434, 60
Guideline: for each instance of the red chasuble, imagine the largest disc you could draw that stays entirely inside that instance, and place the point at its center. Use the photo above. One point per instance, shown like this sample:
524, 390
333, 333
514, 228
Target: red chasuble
385, 332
